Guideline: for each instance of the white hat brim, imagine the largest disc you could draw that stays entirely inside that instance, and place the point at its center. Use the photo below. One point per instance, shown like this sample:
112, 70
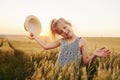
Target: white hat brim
32, 25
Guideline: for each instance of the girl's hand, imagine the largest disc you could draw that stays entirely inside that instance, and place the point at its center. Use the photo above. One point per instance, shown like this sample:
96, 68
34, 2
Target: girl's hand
102, 52
31, 36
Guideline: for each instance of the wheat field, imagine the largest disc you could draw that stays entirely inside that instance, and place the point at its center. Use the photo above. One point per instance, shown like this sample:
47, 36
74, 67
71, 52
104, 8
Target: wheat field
24, 59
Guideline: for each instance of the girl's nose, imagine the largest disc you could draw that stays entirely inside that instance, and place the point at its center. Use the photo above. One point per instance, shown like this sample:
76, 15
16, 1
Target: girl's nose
64, 31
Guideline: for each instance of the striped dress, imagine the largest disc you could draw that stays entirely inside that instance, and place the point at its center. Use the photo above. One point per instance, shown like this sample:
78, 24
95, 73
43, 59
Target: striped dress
68, 52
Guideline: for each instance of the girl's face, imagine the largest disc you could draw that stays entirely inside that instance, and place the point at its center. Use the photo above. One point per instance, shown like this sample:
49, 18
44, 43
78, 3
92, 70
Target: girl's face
64, 30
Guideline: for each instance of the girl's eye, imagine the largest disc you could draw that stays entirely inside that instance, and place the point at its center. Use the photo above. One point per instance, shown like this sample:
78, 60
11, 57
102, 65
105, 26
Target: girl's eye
64, 27
60, 32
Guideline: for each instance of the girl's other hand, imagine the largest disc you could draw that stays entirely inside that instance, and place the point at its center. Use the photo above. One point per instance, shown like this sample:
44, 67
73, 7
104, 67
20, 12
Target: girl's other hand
102, 52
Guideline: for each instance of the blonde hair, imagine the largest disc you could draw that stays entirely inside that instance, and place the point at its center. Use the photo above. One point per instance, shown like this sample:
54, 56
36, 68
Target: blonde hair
54, 23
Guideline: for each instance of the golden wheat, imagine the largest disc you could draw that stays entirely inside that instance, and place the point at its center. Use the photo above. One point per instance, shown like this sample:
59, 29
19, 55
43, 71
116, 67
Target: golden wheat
45, 66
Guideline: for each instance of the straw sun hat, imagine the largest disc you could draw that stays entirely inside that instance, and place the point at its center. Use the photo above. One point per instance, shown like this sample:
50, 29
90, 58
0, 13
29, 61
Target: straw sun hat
32, 25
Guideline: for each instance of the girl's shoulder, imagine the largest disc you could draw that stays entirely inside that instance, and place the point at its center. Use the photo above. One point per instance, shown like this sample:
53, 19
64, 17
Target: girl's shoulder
82, 41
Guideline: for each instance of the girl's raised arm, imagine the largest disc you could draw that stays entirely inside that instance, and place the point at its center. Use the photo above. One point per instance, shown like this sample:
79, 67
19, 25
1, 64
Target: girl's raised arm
46, 45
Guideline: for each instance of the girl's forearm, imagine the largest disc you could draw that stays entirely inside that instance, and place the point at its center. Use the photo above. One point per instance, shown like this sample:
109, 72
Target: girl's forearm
91, 58
42, 43
46, 45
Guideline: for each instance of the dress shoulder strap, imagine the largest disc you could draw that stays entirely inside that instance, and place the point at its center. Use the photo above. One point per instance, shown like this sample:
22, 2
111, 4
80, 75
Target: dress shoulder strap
80, 38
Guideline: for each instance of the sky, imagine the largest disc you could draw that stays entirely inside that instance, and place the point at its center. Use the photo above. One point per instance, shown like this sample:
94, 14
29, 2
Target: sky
99, 18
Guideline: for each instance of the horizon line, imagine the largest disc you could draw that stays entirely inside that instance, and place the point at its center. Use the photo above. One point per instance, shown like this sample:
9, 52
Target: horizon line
47, 35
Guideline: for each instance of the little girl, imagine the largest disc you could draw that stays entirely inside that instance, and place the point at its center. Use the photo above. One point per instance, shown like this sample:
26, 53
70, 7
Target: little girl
71, 46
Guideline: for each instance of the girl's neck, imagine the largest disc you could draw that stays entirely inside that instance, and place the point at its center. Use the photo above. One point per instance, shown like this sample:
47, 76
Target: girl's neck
72, 38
